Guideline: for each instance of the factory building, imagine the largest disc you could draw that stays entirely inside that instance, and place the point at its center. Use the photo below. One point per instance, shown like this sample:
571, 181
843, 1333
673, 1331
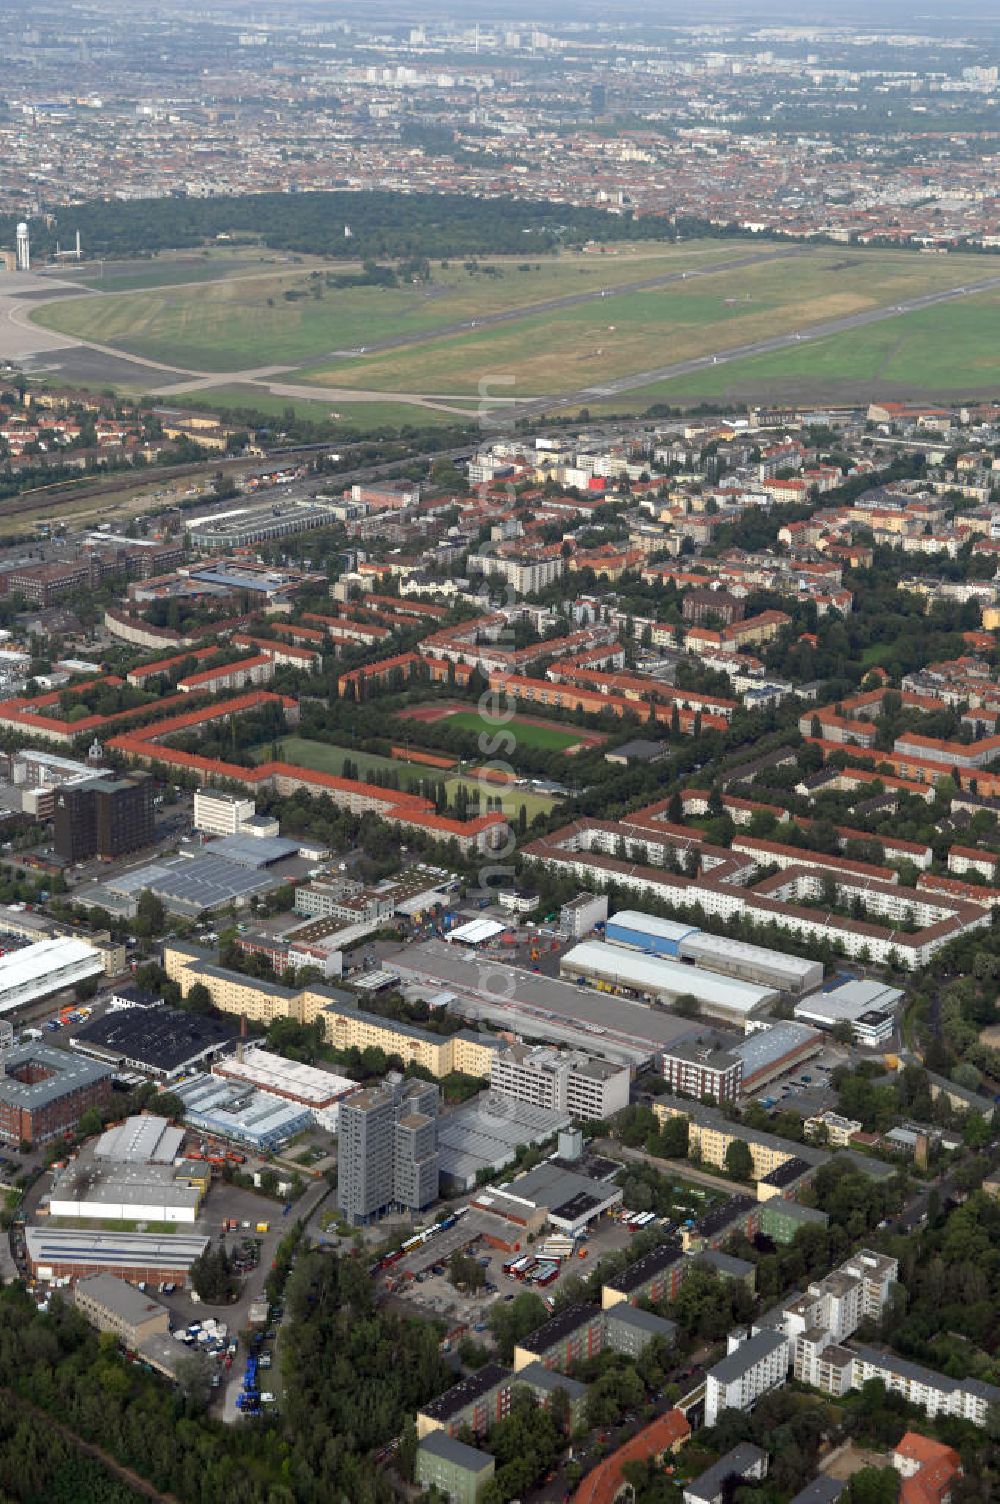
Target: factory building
664, 980
68, 1253
868, 1007
234, 1111
46, 967
111, 1304
317, 1091
734, 958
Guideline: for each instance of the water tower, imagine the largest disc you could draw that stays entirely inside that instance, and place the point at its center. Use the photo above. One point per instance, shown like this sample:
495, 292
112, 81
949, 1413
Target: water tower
23, 248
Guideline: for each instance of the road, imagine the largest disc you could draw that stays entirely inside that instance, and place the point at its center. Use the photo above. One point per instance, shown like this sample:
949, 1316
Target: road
237, 1316
679, 1167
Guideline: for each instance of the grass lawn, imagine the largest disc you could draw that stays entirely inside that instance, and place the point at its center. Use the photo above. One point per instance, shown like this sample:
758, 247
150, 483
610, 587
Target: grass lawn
110, 1224
350, 417
553, 738
239, 322
596, 341
323, 757
949, 350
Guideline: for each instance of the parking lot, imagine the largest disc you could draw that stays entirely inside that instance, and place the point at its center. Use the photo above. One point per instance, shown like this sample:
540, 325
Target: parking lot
806, 1089
415, 1283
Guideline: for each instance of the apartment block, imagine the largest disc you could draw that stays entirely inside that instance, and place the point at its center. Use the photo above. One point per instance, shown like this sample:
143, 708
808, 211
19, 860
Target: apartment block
693, 1069
657, 1276
478, 1402
575, 1334
752, 1365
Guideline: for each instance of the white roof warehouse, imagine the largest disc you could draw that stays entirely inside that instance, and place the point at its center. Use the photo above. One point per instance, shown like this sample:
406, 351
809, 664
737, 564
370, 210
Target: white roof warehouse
655, 977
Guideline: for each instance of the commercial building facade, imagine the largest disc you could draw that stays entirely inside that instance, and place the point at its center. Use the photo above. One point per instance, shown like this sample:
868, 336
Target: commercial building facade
561, 1080
694, 1069
103, 817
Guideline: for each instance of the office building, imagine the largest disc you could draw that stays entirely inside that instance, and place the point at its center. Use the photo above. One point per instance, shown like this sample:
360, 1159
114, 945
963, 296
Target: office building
387, 1155
752, 1366
44, 1092
220, 814
103, 817
560, 1080
111, 1304
458, 1472
697, 1068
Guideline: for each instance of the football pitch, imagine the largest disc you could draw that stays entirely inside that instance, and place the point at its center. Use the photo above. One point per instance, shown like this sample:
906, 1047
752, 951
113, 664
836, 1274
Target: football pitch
325, 757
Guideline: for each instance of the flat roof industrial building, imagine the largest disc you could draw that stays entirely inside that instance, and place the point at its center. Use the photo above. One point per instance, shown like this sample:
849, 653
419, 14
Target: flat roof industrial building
485, 1134
318, 1091
237, 1111
144, 1140
667, 980
162, 1042
121, 1191
542, 1007
60, 1252
677, 940
38, 970
190, 885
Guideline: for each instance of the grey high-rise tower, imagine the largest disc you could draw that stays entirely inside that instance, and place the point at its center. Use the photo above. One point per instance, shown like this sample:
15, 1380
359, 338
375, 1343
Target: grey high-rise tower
387, 1157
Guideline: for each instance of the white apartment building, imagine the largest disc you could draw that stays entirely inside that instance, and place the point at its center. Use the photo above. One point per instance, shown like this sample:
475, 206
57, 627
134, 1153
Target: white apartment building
220, 814
562, 1080
968, 1399
525, 575
752, 1366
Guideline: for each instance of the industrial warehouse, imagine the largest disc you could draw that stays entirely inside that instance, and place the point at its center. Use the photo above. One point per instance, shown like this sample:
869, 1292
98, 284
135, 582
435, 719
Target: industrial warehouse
733, 958
39, 970
664, 980
317, 1091
70, 1253
159, 1041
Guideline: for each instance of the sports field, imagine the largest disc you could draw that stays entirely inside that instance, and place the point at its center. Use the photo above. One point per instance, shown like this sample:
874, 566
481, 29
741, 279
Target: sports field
529, 730
948, 351
243, 322
596, 341
324, 757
